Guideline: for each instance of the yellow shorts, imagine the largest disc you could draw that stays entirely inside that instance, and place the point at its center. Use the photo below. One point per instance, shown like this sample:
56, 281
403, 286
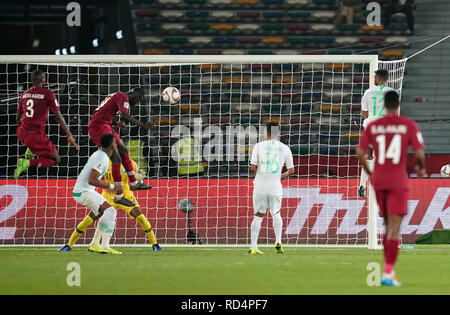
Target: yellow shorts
127, 194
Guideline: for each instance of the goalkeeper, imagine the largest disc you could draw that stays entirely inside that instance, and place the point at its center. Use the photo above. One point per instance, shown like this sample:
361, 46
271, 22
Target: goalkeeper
107, 222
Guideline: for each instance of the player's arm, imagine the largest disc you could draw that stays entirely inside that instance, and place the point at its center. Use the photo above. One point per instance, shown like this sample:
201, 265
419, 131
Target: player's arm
254, 160
420, 162
364, 107
19, 111
96, 182
127, 117
364, 114
289, 165
416, 141
362, 150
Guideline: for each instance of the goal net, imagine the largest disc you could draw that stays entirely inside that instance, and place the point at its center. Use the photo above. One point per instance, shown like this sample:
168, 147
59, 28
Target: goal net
225, 102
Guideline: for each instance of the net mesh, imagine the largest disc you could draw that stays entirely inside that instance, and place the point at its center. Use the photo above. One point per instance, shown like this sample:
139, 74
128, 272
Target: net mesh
219, 118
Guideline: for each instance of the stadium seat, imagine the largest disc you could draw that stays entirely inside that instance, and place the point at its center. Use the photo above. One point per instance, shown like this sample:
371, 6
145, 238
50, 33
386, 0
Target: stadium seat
195, 2
222, 27
273, 14
175, 40
346, 40
330, 108
149, 40
146, 13
224, 40
181, 52
272, 40
197, 26
396, 40
286, 80
397, 28
297, 15
371, 40
262, 67
235, 80
298, 27
148, 27
296, 3
226, 15
172, 14
249, 40
200, 40
154, 51
233, 52
323, 16
322, 28
272, 2
347, 28
260, 52
165, 121
272, 27
197, 14
340, 52
190, 109
170, 2
173, 27
280, 121
248, 15
324, 2
287, 52
303, 41
393, 54
352, 135
221, 3
247, 27
209, 52
208, 67
322, 41
314, 52
375, 28
247, 2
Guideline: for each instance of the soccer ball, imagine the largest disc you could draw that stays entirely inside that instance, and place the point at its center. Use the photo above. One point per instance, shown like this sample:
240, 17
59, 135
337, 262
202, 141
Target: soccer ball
171, 95
445, 170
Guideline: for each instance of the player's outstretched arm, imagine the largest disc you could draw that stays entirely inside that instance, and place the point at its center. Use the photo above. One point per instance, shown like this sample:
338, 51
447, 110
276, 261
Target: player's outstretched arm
127, 117
288, 173
60, 119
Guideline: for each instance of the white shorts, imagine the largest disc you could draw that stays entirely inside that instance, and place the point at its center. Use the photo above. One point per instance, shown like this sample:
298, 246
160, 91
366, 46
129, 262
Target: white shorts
91, 199
263, 201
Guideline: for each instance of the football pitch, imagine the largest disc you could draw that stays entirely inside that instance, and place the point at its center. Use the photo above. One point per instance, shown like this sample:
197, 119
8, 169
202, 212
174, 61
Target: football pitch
220, 271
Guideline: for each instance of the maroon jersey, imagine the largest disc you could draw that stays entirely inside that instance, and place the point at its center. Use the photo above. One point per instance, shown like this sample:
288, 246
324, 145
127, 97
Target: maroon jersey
109, 108
33, 108
390, 137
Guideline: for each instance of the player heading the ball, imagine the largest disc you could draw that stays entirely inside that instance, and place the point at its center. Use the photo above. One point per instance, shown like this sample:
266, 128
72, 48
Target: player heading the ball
32, 114
390, 137
268, 158
101, 123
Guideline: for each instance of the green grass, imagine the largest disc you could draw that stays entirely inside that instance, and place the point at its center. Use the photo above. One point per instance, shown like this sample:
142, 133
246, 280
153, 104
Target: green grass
212, 270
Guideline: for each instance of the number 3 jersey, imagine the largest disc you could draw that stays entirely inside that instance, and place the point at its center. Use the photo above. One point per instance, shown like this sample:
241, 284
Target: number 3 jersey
33, 108
270, 156
390, 137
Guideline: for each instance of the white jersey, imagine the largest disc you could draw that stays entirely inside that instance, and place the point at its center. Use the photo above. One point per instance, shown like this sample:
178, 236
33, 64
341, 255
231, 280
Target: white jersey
98, 161
373, 102
270, 156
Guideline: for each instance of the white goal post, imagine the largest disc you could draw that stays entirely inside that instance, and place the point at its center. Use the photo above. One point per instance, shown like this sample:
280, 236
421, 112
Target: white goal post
315, 98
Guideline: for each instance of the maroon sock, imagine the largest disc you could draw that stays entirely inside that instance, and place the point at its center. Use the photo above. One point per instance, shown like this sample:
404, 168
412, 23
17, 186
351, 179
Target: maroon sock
126, 162
391, 254
115, 170
42, 162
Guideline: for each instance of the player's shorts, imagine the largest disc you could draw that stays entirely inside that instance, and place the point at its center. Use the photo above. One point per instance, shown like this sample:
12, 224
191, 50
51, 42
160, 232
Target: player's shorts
393, 201
368, 120
91, 199
127, 194
38, 143
263, 201
97, 131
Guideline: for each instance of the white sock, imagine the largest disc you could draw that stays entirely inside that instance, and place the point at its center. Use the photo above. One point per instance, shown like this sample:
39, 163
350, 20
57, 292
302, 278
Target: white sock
364, 175
277, 226
97, 236
255, 228
105, 240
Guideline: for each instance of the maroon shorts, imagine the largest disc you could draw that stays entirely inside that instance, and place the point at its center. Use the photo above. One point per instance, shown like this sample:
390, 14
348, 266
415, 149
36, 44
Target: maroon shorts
393, 201
38, 143
97, 131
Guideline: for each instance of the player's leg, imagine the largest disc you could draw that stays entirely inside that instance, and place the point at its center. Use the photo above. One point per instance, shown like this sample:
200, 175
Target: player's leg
396, 203
277, 221
117, 176
106, 225
97, 204
364, 175
136, 213
260, 207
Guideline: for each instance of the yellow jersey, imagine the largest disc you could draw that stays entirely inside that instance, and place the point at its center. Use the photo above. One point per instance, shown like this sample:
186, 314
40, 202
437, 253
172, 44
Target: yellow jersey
110, 180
